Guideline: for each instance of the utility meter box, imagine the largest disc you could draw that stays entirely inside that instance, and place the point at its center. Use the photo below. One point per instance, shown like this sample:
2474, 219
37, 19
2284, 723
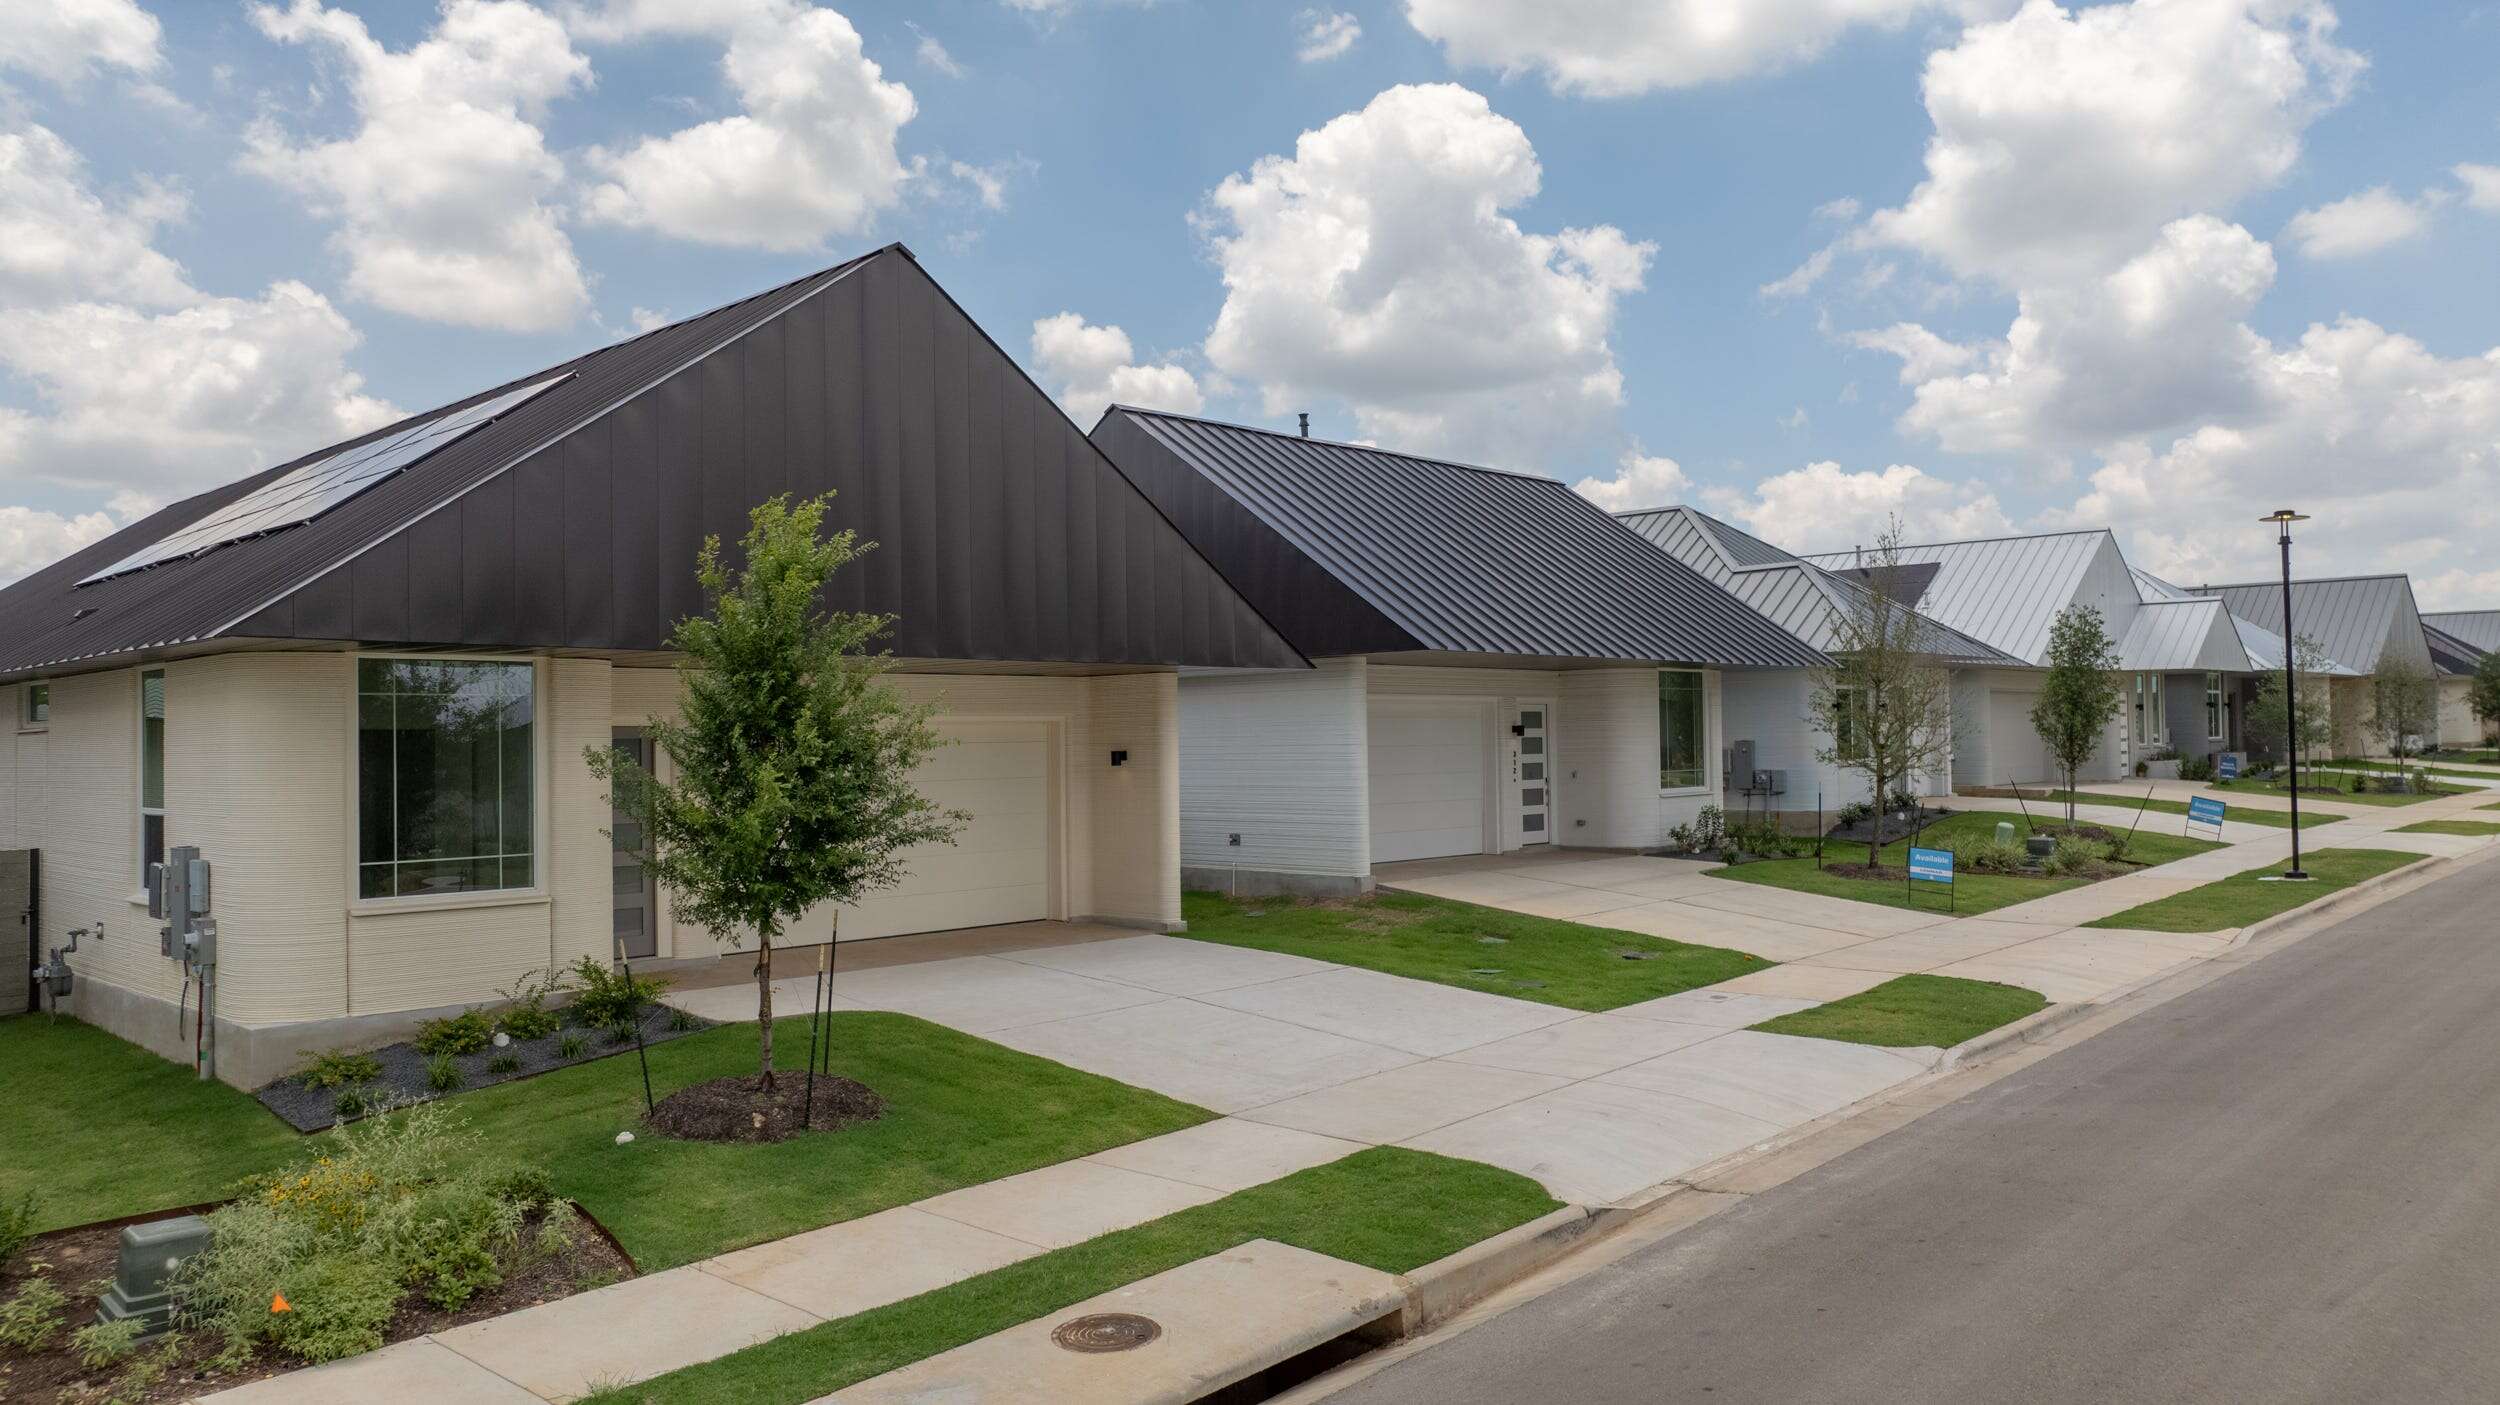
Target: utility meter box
143, 1279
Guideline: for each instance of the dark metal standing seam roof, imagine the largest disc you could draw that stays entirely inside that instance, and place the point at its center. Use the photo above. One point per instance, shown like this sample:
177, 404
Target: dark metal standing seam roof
2449, 654
2476, 629
573, 521
1355, 550
2355, 619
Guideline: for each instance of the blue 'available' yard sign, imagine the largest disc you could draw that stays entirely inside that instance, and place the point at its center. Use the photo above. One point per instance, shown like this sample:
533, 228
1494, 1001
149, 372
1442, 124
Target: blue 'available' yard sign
1931, 865
2205, 810
2229, 769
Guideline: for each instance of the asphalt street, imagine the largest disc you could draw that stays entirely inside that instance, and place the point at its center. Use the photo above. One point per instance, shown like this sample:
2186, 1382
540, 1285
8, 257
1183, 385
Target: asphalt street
2284, 1186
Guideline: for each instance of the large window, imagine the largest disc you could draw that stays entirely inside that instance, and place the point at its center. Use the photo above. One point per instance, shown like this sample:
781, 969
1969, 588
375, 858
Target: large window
151, 771
37, 709
2217, 723
444, 769
2151, 727
1682, 730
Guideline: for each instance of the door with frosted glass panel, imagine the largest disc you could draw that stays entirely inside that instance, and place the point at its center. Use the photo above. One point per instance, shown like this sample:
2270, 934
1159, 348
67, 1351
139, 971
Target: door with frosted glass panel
637, 896
1532, 791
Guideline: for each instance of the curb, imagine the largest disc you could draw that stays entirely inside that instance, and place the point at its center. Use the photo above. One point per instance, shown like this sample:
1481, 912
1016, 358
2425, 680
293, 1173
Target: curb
1445, 1287
2022, 1031
2345, 896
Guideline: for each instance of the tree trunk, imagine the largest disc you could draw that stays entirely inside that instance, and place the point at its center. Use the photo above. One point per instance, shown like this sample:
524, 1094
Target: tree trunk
2070, 797
1875, 841
764, 1001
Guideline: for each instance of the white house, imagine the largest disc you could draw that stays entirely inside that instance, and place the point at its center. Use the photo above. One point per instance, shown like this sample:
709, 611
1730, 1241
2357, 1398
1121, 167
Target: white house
2360, 622
1501, 665
1773, 707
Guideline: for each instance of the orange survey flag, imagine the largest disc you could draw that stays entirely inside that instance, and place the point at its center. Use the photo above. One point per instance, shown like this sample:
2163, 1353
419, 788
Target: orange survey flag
277, 1303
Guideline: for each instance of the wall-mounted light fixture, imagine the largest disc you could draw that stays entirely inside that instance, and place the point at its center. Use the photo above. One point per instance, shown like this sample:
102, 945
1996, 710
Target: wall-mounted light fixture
1119, 758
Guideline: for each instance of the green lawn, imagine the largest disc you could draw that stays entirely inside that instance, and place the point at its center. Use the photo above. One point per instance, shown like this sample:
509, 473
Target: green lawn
2243, 898
2375, 764
1975, 892
99, 1128
1909, 1011
1387, 1208
2270, 819
2495, 805
116, 1130
2465, 827
1577, 965
2308, 791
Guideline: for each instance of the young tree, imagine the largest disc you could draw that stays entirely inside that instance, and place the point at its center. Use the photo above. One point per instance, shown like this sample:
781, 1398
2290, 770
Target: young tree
2268, 723
1884, 708
2482, 693
2404, 700
2080, 695
793, 763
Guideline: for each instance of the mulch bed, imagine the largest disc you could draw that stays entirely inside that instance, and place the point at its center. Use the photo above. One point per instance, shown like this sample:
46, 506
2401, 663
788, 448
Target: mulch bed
403, 1079
83, 1258
1894, 828
738, 1109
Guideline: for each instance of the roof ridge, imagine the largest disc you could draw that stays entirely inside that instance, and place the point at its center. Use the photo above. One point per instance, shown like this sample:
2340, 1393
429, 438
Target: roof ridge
1981, 541
1118, 408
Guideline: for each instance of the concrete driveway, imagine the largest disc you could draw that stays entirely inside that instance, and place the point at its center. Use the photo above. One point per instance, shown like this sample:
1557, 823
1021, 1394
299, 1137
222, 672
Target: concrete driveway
1595, 1107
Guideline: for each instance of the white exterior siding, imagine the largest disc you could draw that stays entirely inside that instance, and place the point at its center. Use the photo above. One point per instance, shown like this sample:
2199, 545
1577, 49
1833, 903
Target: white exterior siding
1277, 758
1774, 709
261, 775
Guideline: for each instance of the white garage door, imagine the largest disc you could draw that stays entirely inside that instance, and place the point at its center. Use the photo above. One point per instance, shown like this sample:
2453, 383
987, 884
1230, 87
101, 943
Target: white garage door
998, 868
1427, 778
2015, 751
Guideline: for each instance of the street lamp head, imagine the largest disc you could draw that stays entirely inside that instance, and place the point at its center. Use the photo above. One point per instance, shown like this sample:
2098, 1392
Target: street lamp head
2285, 516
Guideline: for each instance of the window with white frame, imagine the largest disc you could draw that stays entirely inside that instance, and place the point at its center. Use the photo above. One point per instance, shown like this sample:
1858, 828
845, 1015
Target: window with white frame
151, 771
35, 706
1682, 729
445, 765
2217, 721
2151, 727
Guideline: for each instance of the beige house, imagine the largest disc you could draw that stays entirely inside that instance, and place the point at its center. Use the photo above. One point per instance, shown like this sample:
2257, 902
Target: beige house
362, 684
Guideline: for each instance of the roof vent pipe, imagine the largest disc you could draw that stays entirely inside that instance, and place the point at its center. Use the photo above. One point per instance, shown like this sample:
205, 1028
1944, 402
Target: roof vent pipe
1305, 417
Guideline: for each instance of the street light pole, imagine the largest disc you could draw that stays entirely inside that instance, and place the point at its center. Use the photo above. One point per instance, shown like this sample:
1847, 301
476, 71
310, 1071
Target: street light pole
2284, 517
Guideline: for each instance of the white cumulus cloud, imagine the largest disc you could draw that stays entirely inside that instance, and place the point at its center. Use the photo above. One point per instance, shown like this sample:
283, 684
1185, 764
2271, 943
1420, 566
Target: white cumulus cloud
1640, 481
1824, 507
1324, 34
809, 156
445, 192
2482, 185
1094, 367
2358, 224
68, 40
31, 538
1377, 266
59, 239
1615, 48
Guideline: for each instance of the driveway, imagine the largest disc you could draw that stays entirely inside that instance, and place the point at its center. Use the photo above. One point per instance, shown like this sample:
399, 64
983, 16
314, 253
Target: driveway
1596, 1107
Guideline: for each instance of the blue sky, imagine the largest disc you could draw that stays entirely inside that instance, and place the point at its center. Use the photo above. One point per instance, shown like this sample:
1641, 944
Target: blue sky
2145, 309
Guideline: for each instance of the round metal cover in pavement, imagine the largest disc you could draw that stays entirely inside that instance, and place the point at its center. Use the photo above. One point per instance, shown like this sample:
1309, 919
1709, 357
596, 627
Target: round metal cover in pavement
1106, 1331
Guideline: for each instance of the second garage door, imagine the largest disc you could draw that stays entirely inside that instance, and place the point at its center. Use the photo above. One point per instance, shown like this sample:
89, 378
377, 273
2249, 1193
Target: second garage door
998, 868
1428, 783
2015, 751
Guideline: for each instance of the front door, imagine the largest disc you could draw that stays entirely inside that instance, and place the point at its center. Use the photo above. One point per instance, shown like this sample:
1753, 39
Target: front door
1531, 774
637, 897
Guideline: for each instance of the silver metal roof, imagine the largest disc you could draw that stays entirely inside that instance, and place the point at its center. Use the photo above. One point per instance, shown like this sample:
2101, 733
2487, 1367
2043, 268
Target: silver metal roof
2357, 620
2477, 628
1797, 595
2449, 654
2182, 636
2006, 591
2265, 651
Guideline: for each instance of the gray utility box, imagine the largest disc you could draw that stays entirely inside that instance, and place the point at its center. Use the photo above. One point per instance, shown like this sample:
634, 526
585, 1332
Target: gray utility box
143, 1280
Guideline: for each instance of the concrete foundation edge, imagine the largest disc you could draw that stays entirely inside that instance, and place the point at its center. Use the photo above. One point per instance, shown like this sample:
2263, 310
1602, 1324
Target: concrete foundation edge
1265, 883
247, 1055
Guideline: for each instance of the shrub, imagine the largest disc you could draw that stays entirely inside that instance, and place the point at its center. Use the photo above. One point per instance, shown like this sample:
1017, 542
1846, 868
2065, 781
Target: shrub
2196, 768
1710, 828
558, 1229
337, 1070
1681, 839
504, 1063
103, 1343
2075, 856
611, 999
388, 1208
1856, 812
679, 1021
1900, 799
352, 1103
17, 1225
1993, 856
526, 1015
463, 1033
32, 1315
571, 1046
443, 1075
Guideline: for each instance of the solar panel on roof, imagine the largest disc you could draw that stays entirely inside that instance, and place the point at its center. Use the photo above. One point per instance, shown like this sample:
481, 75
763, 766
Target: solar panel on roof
309, 490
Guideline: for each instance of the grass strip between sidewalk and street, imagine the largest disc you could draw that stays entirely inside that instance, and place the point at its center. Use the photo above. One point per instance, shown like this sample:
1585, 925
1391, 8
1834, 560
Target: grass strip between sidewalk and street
2246, 814
101, 1128
2470, 828
1578, 965
2245, 898
2337, 795
1908, 1011
1973, 893
2434, 768
1387, 1208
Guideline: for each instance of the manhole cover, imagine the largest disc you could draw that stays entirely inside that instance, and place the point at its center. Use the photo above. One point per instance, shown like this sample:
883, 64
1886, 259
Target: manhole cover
1106, 1331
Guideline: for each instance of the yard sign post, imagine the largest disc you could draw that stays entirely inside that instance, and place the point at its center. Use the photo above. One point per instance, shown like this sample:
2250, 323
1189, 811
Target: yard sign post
1933, 866
2206, 810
